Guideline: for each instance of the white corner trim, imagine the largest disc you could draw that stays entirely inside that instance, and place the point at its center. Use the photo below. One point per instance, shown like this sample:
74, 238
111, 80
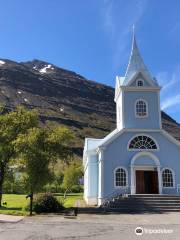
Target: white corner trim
126, 171
140, 154
170, 137
173, 175
146, 135
135, 108
159, 109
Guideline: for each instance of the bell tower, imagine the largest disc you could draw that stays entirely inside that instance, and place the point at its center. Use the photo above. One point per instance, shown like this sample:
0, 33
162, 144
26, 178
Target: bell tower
137, 95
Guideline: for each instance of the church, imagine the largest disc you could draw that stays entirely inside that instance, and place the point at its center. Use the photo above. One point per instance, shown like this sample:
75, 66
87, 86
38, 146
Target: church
138, 157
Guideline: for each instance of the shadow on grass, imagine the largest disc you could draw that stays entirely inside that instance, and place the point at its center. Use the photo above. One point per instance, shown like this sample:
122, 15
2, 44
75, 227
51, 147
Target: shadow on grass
11, 208
68, 195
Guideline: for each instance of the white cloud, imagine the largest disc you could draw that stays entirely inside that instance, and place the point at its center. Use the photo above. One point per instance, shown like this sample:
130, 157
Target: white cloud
170, 102
170, 93
118, 19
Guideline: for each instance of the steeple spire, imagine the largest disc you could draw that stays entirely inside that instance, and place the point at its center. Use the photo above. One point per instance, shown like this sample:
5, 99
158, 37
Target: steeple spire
136, 63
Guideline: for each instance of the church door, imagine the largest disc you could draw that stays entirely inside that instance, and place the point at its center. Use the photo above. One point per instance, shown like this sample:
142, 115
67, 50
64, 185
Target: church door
146, 182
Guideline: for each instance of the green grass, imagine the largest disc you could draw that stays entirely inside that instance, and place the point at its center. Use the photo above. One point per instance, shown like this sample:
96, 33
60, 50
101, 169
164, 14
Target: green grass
70, 199
17, 204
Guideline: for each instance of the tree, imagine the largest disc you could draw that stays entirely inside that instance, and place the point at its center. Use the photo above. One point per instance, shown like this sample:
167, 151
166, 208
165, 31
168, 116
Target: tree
11, 125
72, 174
38, 149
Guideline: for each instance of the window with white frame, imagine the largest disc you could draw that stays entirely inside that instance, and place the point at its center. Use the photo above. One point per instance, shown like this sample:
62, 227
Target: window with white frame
167, 178
120, 177
140, 83
141, 108
142, 142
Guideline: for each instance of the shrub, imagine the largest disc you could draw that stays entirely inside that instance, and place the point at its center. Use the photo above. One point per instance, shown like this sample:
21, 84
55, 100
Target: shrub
77, 189
47, 203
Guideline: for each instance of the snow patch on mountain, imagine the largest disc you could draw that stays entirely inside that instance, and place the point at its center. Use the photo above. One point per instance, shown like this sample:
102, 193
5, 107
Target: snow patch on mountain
2, 62
44, 69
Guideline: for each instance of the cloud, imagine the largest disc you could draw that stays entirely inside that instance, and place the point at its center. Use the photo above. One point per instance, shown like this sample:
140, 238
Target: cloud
170, 102
170, 93
118, 19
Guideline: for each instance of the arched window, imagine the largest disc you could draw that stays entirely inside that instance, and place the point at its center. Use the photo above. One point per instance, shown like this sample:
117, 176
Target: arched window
120, 177
167, 178
142, 142
141, 108
140, 83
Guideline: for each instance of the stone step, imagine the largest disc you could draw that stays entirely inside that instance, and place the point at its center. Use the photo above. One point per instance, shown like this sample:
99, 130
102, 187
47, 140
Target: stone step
154, 196
146, 200
143, 210
141, 205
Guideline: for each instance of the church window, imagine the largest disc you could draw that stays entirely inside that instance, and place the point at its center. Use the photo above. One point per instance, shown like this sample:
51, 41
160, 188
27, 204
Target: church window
140, 83
142, 142
120, 177
141, 108
167, 178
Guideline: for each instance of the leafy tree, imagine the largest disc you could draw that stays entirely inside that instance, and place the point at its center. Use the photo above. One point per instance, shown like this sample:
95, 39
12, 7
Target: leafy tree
39, 148
11, 125
72, 174
58, 179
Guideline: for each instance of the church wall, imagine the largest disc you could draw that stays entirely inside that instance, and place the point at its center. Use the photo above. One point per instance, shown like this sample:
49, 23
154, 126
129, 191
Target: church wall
91, 180
131, 121
117, 155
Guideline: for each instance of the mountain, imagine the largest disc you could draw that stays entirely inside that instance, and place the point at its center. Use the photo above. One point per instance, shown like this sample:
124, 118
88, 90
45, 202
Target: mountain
64, 97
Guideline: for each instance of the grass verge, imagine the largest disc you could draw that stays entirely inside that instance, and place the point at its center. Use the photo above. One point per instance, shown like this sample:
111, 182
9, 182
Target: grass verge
17, 203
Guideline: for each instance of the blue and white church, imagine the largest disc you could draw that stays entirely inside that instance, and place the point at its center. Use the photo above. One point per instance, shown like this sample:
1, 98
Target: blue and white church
138, 157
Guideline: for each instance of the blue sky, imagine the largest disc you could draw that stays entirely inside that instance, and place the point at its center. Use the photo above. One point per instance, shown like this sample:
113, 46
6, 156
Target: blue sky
93, 38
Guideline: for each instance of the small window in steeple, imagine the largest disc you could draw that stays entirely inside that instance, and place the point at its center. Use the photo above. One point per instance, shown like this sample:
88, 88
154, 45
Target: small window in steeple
140, 83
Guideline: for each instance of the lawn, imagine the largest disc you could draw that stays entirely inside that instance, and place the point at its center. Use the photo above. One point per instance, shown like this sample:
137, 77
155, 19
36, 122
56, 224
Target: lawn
17, 204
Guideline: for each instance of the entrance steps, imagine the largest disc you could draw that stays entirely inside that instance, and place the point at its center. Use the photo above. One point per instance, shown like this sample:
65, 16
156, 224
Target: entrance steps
143, 203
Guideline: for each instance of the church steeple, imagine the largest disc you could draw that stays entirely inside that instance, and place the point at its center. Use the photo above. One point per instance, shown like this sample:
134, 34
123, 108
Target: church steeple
136, 64
137, 95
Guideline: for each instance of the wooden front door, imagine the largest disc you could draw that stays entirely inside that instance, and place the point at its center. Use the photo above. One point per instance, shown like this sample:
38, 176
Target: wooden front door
140, 187
146, 182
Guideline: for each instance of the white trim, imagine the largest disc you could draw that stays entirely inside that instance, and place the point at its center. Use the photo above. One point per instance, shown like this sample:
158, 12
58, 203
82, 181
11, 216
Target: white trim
120, 132
173, 176
140, 150
144, 76
122, 109
142, 130
140, 154
148, 167
142, 89
135, 108
117, 133
170, 137
159, 109
101, 173
126, 171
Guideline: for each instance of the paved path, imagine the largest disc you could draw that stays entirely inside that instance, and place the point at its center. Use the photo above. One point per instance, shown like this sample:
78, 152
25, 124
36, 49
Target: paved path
10, 218
93, 227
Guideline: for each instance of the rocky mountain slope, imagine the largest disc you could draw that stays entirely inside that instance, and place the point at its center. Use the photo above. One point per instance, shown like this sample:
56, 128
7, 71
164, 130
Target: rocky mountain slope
63, 96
